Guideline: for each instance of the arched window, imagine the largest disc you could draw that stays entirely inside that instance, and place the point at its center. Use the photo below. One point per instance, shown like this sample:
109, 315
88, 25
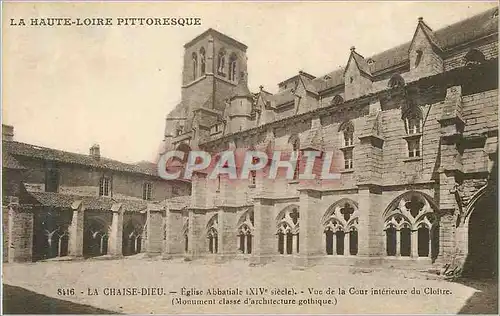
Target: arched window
347, 133
221, 62
288, 230
409, 221
212, 234
232, 67
245, 232
340, 228
202, 61
194, 58
413, 124
474, 57
396, 81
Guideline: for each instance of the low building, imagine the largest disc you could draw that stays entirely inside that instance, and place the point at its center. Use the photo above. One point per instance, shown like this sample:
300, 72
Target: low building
58, 204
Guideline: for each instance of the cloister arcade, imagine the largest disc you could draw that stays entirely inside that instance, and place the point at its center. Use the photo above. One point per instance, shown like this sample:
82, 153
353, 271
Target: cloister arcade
287, 226
340, 226
411, 226
245, 232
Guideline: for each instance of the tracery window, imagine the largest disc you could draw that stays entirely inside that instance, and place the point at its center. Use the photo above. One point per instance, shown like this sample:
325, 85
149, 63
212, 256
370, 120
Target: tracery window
410, 226
288, 230
212, 235
340, 226
245, 232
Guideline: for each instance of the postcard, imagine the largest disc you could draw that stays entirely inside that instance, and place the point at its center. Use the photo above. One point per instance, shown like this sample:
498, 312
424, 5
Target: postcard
245, 157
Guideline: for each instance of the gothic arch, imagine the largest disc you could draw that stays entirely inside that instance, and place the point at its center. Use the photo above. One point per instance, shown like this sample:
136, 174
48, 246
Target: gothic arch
202, 61
340, 227
333, 213
133, 230
483, 191
95, 236
213, 234
481, 234
246, 219
287, 230
245, 230
411, 226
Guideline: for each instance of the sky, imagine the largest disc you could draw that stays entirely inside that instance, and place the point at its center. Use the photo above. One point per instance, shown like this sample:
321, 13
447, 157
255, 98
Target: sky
71, 87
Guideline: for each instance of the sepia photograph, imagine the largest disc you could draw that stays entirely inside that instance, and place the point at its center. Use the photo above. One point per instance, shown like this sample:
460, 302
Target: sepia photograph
244, 157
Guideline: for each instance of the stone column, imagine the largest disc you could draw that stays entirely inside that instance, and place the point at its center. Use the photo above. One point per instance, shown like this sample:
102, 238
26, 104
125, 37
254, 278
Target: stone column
116, 231
334, 244
155, 229
347, 239
414, 243
429, 253
398, 243
294, 244
264, 242
285, 244
323, 243
227, 223
76, 230
311, 231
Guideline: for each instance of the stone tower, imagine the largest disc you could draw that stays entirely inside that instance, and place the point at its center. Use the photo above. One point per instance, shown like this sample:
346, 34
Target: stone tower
213, 65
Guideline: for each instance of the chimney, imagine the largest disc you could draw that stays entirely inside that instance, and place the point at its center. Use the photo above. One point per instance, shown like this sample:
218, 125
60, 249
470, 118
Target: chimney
95, 152
7, 132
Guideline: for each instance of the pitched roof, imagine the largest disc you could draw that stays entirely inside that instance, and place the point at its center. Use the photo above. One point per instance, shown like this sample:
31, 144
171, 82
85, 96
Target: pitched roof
10, 162
361, 62
177, 203
477, 26
97, 203
27, 150
283, 97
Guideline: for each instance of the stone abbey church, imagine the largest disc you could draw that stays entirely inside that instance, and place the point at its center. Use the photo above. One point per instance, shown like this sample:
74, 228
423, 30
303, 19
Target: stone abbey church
415, 130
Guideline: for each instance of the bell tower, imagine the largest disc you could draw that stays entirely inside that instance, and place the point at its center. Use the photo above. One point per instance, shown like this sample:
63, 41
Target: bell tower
213, 64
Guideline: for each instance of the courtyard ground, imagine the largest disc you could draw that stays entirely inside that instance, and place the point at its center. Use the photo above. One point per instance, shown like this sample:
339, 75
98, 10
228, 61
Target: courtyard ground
33, 288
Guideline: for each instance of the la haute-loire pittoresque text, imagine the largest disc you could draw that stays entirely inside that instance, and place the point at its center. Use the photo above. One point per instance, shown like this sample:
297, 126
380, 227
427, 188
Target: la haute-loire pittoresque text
106, 21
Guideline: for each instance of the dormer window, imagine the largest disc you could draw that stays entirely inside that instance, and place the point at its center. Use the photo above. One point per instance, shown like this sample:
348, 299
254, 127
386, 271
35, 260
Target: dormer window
370, 61
105, 186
